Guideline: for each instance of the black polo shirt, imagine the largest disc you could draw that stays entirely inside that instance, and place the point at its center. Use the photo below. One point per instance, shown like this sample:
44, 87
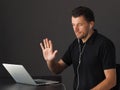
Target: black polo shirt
98, 55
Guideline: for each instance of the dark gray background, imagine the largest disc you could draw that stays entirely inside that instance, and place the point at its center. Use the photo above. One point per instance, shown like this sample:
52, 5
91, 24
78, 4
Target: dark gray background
24, 23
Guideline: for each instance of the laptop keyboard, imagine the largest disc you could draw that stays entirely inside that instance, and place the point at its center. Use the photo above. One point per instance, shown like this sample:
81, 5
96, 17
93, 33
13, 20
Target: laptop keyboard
40, 82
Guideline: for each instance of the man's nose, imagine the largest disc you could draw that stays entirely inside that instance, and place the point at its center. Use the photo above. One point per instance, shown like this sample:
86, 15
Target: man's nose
76, 28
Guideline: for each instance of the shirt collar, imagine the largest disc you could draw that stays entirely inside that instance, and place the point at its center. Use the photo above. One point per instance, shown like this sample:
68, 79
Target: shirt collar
92, 37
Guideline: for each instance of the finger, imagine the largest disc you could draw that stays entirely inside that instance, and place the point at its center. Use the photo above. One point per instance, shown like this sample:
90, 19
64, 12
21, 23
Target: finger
41, 45
47, 43
44, 41
50, 44
55, 52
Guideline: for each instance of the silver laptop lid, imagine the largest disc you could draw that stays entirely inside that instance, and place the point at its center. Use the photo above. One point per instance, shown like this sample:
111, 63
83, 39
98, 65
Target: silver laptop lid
19, 73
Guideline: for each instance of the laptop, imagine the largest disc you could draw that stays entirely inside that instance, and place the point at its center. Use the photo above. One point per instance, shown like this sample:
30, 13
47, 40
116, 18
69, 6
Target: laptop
20, 75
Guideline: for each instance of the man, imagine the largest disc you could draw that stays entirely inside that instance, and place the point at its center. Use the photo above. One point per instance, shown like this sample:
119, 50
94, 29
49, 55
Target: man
91, 54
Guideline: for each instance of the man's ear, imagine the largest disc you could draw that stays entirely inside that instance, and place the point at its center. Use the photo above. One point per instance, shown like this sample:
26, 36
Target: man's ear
92, 23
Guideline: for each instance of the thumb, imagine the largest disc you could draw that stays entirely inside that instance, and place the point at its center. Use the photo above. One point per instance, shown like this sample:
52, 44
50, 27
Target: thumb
55, 52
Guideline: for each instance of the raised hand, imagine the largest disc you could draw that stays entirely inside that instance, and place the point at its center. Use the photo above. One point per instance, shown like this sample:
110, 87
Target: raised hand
47, 49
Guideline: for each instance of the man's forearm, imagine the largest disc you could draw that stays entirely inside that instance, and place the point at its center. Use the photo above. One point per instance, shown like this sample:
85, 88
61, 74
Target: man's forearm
53, 67
56, 67
109, 82
104, 85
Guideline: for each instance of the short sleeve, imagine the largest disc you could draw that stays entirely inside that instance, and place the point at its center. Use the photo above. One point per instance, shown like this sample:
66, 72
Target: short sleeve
67, 57
108, 56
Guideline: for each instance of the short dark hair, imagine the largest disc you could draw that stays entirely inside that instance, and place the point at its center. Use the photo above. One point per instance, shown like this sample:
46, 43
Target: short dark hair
83, 11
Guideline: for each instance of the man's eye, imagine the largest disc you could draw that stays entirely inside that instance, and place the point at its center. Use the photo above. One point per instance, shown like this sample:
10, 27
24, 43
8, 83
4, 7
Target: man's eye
80, 24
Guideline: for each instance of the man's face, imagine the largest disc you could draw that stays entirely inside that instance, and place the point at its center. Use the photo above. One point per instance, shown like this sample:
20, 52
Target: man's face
81, 27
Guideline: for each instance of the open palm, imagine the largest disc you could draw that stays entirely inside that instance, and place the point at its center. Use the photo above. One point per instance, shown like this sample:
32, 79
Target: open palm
47, 49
